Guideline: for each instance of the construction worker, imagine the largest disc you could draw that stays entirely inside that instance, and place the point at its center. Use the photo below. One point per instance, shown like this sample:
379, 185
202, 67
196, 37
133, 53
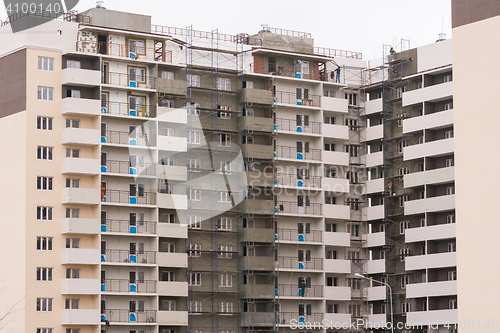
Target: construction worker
303, 285
103, 192
393, 53
337, 79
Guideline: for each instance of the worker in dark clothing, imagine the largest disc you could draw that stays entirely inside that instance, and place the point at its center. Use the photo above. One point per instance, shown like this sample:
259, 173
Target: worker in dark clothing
337, 79
393, 53
303, 285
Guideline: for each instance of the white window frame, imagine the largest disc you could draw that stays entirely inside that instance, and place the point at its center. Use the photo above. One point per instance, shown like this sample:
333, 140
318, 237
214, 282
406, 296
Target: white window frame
44, 274
452, 304
72, 273
403, 225
72, 243
194, 307
194, 250
450, 218
46, 64
405, 280
405, 307
194, 194
223, 84
71, 303
44, 330
448, 106
194, 221
448, 134
224, 196
44, 304
193, 80
222, 114
193, 136
225, 167
167, 75
249, 112
225, 223
194, 279
452, 247
452, 275
192, 108
447, 78
44, 123
225, 280
224, 140
225, 308
44, 153
449, 162
225, 251
73, 213
72, 153
404, 252
73, 64
167, 132
193, 164
169, 305
72, 183
401, 145
45, 93
450, 190
44, 243
44, 213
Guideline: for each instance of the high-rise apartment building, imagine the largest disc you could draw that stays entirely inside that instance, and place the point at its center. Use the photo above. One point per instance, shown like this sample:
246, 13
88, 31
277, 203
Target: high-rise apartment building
172, 180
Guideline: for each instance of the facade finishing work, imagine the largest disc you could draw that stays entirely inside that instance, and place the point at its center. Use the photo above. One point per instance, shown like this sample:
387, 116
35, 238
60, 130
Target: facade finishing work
176, 181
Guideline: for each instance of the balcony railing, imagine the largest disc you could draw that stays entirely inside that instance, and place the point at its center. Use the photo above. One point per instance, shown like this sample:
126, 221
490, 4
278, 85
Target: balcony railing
292, 98
291, 152
127, 316
125, 80
285, 317
289, 207
124, 138
124, 226
293, 290
290, 125
127, 109
124, 51
119, 196
126, 286
293, 235
124, 167
125, 256
294, 263
292, 180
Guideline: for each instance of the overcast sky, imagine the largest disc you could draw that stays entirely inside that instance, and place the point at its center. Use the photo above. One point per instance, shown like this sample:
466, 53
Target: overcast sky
354, 25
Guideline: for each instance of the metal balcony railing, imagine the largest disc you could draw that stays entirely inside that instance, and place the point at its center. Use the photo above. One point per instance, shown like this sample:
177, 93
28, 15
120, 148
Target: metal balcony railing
124, 138
293, 180
285, 317
127, 80
291, 207
292, 290
119, 196
294, 235
291, 152
294, 263
290, 125
125, 167
124, 226
124, 51
126, 286
127, 109
127, 316
292, 98
125, 256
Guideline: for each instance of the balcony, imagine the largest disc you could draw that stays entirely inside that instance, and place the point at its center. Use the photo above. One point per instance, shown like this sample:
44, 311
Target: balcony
127, 109
80, 136
258, 263
172, 230
257, 96
304, 181
435, 93
436, 260
138, 53
372, 133
338, 293
434, 204
172, 259
172, 87
172, 172
80, 317
124, 138
375, 212
378, 320
292, 290
294, 263
434, 232
80, 256
125, 286
81, 196
126, 257
80, 286
80, 166
429, 149
340, 132
374, 266
334, 104
290, 126
431, 121
337, 185
336, 158
431, 289
257, 206
374, 159
80, 77
128, 227
172, 143
338, 319
260, 152
173, 318
125, 168
375, 186
258, 235
81, 107
376, 239
124, 197
172, 201
439, 317
259, 291
258, 178
291, 207
378, 293
170, 115
258, 319
291, 98
258, 124
436, 176
285, 318
340, 266
80, 226
129, 81
374, 106
126, 316
287, 152
338, 239
342, 212
292, 235
173, 288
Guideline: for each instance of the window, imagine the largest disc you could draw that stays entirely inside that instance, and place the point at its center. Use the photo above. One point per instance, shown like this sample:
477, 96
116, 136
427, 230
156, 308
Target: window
71, 303
44, 123
194, 195
167, 247
355, 310
354, 284
330, 120
449, 162
168, 218
352, 123
353, 256
421, 167
330, 146
452, 247
353, 150
194, 279
137, 46
382, 228
382, 254
136, 306
353, 229
383, 308
420, 140
331, 227
73, 93
452, 275
419, 85
331, 254
448, 134
224, 84
73, 64
72, 123
194, 250
225, 251
452, 304
404, 281
72, 213
44, 304
44, 213
352, 176
354, 203
331, 173
194, 221
224, 223
167, 103
248, 112
74, 153
302, 67
44, 183
224, 140
401, 145
448, 106
46, 64
225, 280
167, 75
224, 196
44, 153
45, 93
193, 80
404, 252
225, 167
72, 243
192, 108
193, 136
167, 160
168, 305
304, 255
450, 190
330, 200
400, 91
332, 281
447, 78
194, 307
44, 243
248, 139
403, 199
44, 330
73, 183
226, 307
450, 218
422, 222
405, 307
44, 274
193, 163
402, 171
72, 273
403, 225
248, 84
401, 117
223, 114
305, 309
